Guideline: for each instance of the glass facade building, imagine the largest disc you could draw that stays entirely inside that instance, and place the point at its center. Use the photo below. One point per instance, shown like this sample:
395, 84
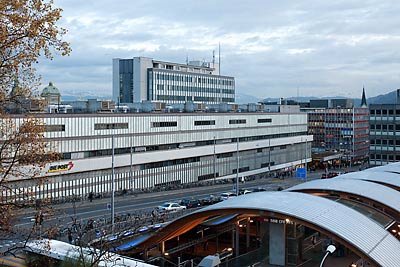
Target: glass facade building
343, 130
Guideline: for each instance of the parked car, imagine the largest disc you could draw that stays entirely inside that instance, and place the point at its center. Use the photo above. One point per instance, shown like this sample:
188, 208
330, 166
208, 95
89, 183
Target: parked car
244, 191
259, 189
227, 195
332, 174
190, 203
210, 200
170, 207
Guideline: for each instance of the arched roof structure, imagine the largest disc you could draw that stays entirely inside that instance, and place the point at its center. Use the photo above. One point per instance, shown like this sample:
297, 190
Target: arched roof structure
351, 228
392, 167
384, 195
385, 178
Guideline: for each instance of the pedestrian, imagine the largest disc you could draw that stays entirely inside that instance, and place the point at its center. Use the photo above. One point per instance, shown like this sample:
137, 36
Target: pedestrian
69, 237
90, 197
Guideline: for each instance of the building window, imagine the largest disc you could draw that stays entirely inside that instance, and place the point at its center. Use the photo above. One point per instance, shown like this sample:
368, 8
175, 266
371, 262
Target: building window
204, 122
107, 126
237, 121
54, 128
165, 124
225, 155
264, 120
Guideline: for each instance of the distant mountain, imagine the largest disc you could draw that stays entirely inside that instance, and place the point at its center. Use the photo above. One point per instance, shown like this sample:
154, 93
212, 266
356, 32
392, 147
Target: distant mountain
245, 99
389, 98
68, 98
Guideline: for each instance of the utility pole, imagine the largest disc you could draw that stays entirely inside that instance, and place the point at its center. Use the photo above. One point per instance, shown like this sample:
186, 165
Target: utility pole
112, 185
237, 166
214, 162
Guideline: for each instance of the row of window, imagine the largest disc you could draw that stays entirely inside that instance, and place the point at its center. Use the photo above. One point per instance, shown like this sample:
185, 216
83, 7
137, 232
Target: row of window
195, 98
389, 127
385, 157
237, 121
384, 112
179, 88
389, 142
108, 126
166, 163
211, 122
187, 78
126, 150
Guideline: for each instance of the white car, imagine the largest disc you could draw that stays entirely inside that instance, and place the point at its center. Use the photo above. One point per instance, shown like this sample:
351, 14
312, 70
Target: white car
170, 206
227, 195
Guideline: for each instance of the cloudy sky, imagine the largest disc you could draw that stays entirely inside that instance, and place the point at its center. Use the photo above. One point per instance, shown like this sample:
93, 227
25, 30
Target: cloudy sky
272, 48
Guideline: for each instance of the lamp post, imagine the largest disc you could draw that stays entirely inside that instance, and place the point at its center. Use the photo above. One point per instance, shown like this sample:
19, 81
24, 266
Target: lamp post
112, 185
329, 250
269, 154
237, 166
305, 160
132, 181
214, 162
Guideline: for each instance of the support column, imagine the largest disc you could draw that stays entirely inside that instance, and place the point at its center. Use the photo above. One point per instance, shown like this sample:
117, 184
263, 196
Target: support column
277, 251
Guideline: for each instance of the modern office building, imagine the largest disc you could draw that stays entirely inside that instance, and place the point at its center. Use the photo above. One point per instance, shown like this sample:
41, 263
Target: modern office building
157, 149
340, 127
384, 133
145, 79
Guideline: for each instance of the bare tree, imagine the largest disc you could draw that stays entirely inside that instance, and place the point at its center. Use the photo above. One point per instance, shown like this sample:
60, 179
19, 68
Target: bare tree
28, 30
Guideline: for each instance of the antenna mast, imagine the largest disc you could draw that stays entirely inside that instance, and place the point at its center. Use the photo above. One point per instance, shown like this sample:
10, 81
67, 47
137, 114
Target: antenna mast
219, 58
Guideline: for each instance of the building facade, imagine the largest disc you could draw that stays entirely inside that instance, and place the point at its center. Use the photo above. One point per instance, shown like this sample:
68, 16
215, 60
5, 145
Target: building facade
144, 79
165, 148
384, 134
341, 129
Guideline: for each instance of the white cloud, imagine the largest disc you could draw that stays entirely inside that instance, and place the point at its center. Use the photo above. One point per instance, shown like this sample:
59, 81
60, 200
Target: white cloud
271, 48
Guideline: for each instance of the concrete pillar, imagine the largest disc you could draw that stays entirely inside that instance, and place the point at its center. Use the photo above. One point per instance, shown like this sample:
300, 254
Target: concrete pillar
277, 251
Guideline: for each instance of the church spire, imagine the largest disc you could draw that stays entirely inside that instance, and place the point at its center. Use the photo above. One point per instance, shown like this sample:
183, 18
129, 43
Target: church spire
363, 99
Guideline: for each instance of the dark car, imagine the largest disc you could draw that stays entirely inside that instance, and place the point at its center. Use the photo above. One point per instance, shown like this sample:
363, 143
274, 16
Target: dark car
259, 189
190, 203
210, 200
332, 174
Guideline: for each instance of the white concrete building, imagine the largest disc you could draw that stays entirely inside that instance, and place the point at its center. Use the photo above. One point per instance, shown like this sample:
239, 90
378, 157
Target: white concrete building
145, 79
166, 148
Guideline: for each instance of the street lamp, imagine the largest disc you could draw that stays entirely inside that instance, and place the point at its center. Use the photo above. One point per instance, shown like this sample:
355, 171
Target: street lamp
237, 166
112, 184
214, 162
329, 250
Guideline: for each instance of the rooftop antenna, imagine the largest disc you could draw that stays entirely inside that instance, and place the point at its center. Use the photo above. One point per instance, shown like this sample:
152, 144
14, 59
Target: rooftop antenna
213, 58
219, 58
187, 59
298, 97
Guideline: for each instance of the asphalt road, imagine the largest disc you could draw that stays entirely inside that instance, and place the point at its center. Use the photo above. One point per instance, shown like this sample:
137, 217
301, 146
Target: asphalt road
145, 202
65, 214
